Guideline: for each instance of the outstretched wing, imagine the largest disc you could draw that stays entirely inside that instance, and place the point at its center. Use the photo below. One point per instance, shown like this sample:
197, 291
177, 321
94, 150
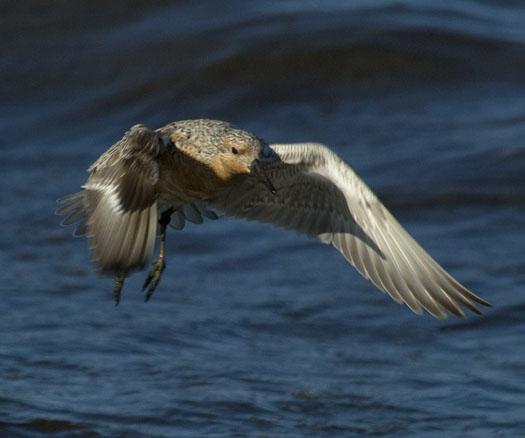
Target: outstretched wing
118, 204
319, 195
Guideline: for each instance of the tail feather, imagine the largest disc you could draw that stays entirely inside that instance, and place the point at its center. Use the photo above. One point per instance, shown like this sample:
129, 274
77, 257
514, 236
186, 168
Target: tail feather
73, 207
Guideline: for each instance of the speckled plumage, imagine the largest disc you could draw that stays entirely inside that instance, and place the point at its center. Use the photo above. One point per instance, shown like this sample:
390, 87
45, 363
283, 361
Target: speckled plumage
185, 170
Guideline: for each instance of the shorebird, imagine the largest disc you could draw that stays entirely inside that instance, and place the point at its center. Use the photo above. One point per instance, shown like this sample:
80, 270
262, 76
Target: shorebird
192, 169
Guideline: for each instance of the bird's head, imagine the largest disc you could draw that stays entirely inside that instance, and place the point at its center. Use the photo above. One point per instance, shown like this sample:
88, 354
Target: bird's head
240, 153
237, 152
230, 153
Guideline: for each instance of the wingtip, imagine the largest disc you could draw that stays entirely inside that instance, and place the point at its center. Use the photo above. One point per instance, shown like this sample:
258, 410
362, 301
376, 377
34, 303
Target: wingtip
479, 301
485, 303
476, 311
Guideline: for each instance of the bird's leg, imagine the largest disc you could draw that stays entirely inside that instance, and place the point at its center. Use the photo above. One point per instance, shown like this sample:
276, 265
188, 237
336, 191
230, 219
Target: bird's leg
117, 286
158, 266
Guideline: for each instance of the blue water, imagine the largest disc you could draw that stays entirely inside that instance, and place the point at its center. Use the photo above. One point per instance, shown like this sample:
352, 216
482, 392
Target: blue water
255, 331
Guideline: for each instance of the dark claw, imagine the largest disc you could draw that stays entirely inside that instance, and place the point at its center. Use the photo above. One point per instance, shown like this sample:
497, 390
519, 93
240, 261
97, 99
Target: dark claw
153, 277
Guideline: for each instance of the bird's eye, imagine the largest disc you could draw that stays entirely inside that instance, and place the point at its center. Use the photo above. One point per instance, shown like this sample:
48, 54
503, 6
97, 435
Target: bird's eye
235, 151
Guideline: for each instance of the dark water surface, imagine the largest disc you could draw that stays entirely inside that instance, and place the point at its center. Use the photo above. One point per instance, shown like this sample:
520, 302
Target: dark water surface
255, 331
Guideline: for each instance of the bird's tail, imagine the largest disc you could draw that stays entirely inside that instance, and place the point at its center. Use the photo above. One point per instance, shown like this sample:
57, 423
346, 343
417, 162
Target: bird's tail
73, 207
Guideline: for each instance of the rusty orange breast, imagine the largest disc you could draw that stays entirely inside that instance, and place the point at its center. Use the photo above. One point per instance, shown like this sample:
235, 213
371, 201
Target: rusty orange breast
184, 179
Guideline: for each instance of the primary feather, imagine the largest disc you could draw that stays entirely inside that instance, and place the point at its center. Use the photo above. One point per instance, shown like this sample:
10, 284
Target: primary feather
319, 195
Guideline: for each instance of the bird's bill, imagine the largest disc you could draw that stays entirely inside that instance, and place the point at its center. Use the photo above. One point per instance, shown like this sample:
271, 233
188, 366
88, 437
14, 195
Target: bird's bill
259, 173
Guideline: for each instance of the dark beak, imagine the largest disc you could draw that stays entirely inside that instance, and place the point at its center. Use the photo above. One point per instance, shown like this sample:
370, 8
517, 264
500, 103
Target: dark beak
259, 173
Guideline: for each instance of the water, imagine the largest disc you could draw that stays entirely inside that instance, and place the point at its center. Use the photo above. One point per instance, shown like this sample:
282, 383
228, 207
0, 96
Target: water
256, 331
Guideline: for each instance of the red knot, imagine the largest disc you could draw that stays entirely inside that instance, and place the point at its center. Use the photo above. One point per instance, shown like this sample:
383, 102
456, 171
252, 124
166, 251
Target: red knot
189, 170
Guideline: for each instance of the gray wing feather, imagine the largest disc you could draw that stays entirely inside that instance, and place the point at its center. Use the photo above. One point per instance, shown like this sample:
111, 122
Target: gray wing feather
205, 211
120, 241
319, 195
118, 208
178, 220
194, 212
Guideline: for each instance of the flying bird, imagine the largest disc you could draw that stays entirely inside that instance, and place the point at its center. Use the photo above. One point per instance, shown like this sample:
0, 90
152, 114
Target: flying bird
188, 170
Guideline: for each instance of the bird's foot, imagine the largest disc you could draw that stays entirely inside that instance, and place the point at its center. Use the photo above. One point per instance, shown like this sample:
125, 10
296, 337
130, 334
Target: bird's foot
154, 277
117, 286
